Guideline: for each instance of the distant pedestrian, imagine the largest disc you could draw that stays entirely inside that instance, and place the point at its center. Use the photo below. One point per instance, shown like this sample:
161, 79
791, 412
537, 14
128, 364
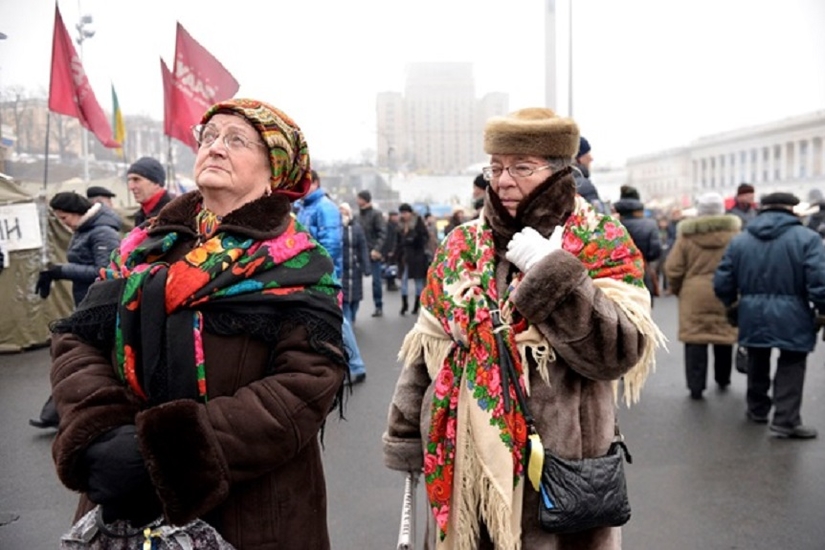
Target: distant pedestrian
412, 254
690, 265
356, 262
480, 185
644, 231
98, 193
375, 229
775, 272
390, 268
744, 206
581, 173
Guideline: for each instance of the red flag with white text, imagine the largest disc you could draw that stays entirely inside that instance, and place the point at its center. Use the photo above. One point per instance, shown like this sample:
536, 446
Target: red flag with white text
69, 90
171, 125
198, 81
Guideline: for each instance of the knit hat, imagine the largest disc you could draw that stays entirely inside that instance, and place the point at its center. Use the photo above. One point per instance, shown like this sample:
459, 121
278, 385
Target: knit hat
710, 204
532, 131
288, 150
788, 200
480, 182
628, 192
71, 202
744, 188
584, 147
405, 207
150, 169
365, 195
98, 191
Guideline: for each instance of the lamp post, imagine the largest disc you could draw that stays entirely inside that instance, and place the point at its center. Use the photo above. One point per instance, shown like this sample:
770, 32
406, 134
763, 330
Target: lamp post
83, 34
2, 149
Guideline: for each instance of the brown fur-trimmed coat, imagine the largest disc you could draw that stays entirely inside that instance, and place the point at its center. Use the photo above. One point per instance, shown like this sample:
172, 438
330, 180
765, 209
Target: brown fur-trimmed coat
690, 265
595, 344
249, 460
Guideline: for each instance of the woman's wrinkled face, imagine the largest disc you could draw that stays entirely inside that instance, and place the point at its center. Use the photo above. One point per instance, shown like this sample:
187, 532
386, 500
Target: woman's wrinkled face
232, 159
513, 177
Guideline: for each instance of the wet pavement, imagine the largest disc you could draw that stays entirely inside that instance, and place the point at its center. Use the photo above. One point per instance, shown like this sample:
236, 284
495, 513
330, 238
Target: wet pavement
702, 477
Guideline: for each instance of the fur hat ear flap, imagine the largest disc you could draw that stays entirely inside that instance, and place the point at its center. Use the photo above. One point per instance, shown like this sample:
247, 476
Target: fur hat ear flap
532, 131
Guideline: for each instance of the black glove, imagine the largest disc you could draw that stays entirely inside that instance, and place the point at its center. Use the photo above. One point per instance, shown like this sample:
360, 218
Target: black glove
44, 284
118, 479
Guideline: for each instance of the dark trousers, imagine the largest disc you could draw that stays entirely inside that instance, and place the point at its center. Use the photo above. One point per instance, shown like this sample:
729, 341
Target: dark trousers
696, 365
788, 383
377, 283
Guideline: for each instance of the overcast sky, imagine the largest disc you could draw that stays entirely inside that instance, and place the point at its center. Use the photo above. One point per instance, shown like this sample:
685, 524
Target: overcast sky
648, 75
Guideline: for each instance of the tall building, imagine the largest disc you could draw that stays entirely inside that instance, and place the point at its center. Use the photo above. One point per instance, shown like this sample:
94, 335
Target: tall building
436, 126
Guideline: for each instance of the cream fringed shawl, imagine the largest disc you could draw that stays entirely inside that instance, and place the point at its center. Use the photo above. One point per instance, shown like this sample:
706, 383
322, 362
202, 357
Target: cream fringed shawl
473, 459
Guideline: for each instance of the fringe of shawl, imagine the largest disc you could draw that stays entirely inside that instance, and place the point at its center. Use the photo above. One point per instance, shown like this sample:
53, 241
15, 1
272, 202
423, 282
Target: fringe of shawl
635, 303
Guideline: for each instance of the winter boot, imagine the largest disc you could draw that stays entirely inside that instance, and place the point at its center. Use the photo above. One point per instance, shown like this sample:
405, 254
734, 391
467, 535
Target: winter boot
404, 305
415, 305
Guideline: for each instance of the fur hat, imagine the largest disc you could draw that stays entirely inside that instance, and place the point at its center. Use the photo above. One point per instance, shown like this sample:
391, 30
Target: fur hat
532, 131
787, 200
710, 204
584, 147
98, 191
150, 169
71, 202
405, 207
744, 188
628, 192
288, 150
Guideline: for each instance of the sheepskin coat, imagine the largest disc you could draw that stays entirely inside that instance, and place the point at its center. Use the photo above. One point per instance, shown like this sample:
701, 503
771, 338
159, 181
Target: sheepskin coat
690, 265
595, 344
249, 460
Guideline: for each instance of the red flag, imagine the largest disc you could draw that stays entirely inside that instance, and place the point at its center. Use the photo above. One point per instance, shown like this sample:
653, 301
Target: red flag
172, 127
197, 82
69, 90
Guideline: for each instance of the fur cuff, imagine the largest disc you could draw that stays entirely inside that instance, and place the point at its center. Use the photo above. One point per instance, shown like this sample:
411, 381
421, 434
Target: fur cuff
547, 284
184, 459
405, 455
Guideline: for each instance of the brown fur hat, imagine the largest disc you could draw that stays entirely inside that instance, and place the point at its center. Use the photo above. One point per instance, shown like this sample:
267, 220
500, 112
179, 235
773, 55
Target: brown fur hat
532, 131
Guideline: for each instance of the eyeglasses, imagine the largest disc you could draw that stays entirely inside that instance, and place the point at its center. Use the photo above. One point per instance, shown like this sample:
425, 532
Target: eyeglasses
517, 171
206, 134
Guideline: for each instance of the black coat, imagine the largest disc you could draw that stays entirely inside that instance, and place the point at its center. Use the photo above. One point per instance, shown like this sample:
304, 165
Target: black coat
141, 216
356, 261
412, 247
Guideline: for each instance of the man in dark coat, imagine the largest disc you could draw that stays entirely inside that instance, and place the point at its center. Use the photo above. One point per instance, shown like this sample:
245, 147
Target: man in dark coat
375, 229
775, 270
644, 232
146, 179
744, 207
581, 174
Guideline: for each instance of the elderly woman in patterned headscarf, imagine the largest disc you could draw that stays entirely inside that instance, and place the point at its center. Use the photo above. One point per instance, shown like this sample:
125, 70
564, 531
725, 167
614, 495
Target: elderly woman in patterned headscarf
194, 379
566, 283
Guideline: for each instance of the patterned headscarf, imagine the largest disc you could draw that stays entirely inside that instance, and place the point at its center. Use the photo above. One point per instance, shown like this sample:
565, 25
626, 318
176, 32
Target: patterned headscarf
288, 151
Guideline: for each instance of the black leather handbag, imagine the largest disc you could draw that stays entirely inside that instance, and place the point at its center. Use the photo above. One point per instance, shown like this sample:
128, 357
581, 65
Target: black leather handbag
575, 495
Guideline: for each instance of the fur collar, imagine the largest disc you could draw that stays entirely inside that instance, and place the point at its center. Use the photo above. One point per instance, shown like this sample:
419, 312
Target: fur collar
549, 205
709, 224
264, 218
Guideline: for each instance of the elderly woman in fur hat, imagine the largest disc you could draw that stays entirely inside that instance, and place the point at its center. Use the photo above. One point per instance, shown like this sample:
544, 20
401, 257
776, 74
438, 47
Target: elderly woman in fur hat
195, 377
567, 283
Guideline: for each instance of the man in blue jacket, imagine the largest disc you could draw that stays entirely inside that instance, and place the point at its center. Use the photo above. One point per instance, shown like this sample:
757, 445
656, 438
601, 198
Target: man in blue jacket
320, 215
775, 269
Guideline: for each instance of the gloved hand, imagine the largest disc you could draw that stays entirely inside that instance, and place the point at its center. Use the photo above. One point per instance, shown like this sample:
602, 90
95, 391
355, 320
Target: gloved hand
118, 479
528, 247
44, 284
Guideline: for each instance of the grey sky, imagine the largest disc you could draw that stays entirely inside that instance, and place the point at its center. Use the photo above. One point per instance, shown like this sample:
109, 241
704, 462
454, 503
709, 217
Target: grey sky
648, 74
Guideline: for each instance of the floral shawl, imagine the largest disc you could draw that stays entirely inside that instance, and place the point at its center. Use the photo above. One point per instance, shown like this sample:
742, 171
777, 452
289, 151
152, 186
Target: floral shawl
473, 457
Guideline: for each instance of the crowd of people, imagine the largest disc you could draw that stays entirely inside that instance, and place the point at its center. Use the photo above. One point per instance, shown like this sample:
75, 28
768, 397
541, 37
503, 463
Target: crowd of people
541, 288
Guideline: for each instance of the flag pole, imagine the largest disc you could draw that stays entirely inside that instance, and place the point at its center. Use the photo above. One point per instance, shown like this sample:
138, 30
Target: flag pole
41, 206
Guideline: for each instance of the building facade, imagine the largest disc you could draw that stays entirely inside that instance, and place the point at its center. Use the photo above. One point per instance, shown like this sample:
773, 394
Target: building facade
436, 125
784, 155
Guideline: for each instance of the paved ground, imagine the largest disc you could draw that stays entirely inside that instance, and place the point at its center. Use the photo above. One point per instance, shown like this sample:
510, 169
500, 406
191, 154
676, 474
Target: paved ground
702, 477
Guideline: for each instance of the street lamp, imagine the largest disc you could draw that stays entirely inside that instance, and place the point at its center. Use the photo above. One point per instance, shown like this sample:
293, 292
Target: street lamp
2, 149
83, 34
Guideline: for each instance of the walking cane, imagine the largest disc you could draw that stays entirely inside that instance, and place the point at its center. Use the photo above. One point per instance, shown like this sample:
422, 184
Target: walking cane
406, 532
